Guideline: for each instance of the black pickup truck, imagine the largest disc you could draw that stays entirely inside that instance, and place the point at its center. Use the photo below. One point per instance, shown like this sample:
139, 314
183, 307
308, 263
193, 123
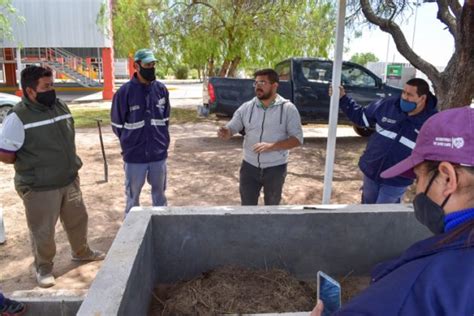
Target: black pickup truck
304, 81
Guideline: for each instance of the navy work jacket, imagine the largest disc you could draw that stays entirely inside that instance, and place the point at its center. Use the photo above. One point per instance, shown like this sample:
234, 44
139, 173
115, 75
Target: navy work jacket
140, 119
394, 137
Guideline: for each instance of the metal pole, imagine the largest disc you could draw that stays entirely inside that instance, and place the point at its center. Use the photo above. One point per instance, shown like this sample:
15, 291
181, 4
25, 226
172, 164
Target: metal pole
106, 167
334, 108
99, 64
386, 58
414, 26
18, 67
2, 227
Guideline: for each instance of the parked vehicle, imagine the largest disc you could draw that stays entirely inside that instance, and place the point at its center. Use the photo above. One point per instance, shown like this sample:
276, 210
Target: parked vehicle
304, 81
7, 101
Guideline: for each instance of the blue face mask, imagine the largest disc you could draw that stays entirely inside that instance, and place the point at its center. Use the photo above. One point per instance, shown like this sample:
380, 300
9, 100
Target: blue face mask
407, 106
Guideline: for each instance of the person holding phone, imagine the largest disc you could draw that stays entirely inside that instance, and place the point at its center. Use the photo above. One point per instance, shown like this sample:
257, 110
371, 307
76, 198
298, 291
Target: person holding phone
434, 276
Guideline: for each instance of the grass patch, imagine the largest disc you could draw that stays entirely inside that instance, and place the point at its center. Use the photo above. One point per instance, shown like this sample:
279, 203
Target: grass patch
86, 116
181, 116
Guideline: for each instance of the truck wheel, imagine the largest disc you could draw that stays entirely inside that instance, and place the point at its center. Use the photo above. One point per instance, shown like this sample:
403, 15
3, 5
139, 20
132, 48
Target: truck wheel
3, 111
363, 131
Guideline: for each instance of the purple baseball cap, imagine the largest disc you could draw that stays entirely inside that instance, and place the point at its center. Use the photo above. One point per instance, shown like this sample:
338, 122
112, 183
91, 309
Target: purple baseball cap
446, 136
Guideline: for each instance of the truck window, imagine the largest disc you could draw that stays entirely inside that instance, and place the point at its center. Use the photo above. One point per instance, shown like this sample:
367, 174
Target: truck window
356, 77
283, 70
317, 71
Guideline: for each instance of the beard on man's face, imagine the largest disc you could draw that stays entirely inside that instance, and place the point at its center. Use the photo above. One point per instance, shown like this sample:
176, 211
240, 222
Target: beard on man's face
261, 95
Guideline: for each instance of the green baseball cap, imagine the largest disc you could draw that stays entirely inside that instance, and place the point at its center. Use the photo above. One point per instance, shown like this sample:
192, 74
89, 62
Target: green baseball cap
145, 55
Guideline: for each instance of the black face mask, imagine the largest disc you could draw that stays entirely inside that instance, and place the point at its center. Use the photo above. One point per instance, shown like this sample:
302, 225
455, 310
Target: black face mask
147, 73
428, 212
47, 98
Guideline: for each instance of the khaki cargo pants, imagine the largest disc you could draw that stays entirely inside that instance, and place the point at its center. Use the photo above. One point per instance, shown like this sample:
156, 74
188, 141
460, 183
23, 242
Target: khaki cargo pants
42, 209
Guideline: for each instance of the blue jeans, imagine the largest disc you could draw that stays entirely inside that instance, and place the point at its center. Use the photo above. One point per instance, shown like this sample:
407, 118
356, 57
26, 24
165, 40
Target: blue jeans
135, 174
377, 193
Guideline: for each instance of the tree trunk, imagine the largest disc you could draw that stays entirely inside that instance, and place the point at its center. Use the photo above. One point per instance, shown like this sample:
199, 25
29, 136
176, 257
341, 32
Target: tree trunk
210, 67
224, 68
233, 67
454, 86
457, 80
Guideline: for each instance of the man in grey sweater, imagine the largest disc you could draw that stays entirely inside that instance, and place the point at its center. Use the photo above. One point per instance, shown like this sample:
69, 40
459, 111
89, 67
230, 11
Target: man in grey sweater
272, 126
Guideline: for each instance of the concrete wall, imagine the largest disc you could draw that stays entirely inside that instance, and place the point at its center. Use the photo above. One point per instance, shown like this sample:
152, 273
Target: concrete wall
172, 244
50, 302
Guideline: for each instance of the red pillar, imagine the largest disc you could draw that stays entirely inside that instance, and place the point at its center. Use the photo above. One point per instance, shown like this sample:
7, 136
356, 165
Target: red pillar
108, 63
10, 68
131, 63
108, 68
89, 67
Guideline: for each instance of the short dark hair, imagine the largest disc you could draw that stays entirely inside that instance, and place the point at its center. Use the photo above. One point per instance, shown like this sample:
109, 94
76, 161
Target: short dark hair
422, 87
31, 75
270, 73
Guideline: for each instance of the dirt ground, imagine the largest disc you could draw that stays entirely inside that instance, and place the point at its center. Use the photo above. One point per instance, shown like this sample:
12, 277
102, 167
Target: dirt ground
202, 170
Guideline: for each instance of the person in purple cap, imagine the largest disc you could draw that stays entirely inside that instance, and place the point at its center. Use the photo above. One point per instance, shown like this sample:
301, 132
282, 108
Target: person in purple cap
397, 120
435, 276
140, 118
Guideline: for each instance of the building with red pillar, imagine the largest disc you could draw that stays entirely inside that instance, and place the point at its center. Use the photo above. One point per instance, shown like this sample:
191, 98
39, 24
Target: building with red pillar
64, 35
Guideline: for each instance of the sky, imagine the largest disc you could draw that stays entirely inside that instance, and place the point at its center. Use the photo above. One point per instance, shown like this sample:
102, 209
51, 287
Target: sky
432, 41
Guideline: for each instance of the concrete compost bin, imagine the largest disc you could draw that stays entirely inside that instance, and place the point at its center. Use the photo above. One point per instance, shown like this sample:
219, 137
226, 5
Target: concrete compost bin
166, 245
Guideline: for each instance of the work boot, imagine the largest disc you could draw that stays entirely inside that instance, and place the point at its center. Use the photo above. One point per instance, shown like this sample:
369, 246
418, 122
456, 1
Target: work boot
45, 280
93, 255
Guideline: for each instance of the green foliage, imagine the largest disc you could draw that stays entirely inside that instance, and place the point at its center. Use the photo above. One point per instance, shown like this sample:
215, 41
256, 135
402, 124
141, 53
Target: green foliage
226, 34
160, 74
8, 13
131, 26
193, 74
223, 34
363, 58
181, 72
304, 29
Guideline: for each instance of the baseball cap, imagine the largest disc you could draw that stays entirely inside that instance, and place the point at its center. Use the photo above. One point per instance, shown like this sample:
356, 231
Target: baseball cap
446, 136
144, 55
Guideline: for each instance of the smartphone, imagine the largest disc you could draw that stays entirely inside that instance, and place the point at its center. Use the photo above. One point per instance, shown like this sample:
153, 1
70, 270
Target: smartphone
329, 291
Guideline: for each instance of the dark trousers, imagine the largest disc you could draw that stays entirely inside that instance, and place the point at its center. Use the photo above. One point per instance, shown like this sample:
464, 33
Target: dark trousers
252, 179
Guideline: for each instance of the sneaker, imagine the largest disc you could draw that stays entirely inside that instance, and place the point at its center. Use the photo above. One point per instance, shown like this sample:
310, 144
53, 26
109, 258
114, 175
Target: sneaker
45, 280
94, 255
12, 308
